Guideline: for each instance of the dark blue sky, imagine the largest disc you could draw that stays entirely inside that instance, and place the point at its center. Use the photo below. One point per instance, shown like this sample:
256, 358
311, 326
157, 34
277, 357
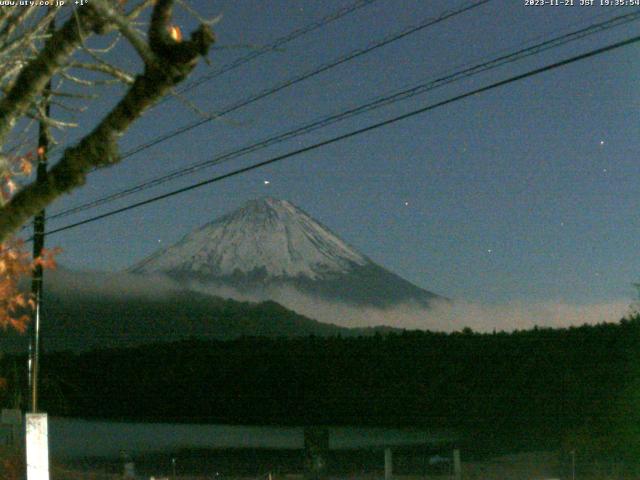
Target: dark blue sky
529, 191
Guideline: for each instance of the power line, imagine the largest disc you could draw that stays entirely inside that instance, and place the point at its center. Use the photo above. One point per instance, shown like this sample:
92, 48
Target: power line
369, 106
275, 45
321, 69
354, 133
271, 47
429, 22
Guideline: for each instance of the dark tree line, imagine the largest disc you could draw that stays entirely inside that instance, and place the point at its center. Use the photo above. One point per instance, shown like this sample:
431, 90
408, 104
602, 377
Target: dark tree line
542, 386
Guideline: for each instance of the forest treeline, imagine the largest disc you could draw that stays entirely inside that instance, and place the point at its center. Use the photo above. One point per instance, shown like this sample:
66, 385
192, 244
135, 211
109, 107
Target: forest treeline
540, 386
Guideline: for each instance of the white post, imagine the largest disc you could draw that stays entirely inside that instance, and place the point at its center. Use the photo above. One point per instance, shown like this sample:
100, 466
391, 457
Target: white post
37, 446
457, 466
388, 464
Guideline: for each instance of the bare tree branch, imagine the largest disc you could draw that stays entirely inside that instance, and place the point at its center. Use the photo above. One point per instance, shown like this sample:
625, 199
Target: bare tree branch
172, 62
81, 96
106, 10
138, 9
34, 77
197, 16
107, 69
18, 18
88, 83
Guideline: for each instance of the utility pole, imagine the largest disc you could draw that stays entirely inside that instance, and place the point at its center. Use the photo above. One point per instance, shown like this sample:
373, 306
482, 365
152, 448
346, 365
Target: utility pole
37, 436
38, 245
38, 240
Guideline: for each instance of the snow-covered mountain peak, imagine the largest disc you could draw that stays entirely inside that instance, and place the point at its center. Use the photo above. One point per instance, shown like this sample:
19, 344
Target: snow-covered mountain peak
267, 237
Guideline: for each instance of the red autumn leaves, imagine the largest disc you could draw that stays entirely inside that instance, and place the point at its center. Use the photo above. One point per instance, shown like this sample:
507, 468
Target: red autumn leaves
16, 263
15, 260
14, 167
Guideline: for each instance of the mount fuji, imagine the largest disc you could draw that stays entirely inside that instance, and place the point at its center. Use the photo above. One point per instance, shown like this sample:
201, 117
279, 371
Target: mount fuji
266, 269
270, 246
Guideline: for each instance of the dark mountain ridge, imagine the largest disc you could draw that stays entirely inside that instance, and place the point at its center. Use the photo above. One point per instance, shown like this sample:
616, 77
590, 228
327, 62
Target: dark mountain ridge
81, 322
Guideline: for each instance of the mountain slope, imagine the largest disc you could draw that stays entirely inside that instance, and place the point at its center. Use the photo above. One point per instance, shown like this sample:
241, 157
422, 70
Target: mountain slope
270, 244
266, 236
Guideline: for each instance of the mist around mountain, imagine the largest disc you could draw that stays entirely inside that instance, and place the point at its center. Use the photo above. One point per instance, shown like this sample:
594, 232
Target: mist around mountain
267, 269
87, 310
84, 311
271, 250
123, 313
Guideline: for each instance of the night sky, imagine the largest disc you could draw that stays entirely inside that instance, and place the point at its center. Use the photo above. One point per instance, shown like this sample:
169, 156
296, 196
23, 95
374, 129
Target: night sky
528, 192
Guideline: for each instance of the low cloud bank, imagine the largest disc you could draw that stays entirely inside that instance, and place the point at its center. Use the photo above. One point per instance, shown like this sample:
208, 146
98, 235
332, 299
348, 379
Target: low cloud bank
521, 315
108, 285
442, 316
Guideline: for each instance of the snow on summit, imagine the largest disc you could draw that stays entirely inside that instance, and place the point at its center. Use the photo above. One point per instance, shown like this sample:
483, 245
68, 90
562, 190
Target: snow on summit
266, 236
271, 250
